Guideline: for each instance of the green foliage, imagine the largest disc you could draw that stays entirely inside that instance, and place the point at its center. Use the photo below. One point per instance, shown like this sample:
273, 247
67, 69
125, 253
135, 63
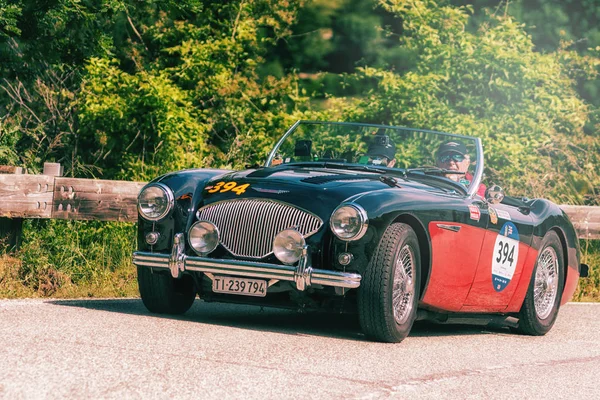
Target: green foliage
141, 124
9, 14
470, 83
58, 253
589, 288
132, 89
201, 104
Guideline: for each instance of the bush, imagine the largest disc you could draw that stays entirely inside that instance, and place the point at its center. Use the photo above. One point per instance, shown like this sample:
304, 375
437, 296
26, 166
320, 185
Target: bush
56, 255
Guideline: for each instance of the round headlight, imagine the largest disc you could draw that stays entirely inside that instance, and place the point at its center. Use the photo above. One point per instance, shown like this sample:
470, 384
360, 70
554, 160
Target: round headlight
349, 222
288, 245
155, 202
203, 237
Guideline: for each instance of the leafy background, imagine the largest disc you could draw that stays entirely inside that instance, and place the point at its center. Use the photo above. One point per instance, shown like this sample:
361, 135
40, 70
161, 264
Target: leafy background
132, 89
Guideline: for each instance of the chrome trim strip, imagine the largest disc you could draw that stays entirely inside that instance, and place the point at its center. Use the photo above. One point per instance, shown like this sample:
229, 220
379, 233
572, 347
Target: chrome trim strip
176, 263
453, 228
303, 275
478, 170
280, 142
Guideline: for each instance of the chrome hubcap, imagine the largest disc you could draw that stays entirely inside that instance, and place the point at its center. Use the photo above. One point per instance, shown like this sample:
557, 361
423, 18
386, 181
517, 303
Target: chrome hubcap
546, 283
403, 290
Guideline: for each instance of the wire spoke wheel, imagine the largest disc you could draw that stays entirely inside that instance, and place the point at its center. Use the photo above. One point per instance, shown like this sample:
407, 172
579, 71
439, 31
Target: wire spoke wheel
542, 302
389, 291
546, 283
404, 285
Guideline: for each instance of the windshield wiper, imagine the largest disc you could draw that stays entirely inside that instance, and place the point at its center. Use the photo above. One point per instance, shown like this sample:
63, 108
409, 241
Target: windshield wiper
433, 171
327, 164
355, 167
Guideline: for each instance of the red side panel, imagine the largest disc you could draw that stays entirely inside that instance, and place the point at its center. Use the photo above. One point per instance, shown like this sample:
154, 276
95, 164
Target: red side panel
570, 284
453, 264
482, 309
483, 292
517, 300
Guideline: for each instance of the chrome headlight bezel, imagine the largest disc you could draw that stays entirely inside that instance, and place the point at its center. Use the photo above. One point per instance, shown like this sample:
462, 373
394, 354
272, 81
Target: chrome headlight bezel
208, 250
300, 243
169, 200
359, 213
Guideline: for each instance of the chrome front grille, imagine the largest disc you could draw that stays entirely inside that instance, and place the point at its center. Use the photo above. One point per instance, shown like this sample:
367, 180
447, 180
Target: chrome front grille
247, 227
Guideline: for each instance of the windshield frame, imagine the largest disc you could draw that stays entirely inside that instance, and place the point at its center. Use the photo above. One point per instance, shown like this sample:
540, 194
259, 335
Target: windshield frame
477, 175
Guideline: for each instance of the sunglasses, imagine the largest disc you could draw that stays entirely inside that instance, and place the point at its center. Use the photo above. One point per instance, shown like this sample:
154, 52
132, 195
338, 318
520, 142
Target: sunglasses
455, 157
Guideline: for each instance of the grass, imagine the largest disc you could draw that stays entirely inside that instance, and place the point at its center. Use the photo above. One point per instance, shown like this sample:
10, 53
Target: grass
71, 259
53, 284
589, 288
74, 259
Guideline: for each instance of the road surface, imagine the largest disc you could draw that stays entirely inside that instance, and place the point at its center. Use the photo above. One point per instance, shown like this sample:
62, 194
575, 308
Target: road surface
115, 349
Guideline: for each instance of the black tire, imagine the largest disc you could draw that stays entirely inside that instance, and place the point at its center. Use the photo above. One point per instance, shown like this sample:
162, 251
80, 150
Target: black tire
375, 294
163, 294
538, 322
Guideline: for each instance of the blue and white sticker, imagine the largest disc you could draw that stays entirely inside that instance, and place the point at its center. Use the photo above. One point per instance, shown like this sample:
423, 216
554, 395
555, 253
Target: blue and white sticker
505, 256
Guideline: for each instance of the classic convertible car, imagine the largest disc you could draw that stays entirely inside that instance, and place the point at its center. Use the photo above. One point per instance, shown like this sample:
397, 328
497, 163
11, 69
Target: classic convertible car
387, 222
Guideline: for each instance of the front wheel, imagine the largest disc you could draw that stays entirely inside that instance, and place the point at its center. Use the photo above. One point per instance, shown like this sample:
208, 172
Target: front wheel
389, 292
163, 294
541, 304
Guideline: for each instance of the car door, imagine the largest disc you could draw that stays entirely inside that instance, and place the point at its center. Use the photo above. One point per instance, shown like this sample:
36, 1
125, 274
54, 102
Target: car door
504, 251
457, 237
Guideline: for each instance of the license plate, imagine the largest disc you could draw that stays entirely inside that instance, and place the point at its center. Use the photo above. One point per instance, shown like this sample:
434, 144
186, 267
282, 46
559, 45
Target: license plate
243, 286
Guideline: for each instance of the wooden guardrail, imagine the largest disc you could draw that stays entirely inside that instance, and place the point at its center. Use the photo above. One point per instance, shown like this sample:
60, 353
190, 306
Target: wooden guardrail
585, 219
52, 196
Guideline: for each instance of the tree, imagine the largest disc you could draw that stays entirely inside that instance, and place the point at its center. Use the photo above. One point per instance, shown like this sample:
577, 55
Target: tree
492, 84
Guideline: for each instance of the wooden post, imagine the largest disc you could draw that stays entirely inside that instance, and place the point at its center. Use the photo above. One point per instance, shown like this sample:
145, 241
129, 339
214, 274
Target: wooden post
53, 169
11, 229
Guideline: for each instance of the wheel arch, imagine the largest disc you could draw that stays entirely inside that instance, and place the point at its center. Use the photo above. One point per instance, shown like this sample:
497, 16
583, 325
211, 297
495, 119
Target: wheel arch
424, 247
563, 242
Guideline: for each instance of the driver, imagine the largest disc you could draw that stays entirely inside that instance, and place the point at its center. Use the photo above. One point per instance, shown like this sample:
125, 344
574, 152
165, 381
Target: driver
453, 156
381, 151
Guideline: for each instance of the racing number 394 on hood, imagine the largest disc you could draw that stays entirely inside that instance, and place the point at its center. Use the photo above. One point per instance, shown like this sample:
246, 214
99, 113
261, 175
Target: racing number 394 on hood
391, 223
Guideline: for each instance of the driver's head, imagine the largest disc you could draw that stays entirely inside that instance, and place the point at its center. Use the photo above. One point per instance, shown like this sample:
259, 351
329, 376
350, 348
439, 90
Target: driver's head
381, 150
453, 156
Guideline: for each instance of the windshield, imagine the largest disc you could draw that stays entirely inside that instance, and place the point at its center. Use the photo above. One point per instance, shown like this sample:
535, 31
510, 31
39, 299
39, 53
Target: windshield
352, 145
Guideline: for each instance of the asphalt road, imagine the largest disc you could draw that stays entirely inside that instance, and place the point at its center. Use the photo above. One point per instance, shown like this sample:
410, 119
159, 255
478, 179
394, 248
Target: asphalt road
114, 348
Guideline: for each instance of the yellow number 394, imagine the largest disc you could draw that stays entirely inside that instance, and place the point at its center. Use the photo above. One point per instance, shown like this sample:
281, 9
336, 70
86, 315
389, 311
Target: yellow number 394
222, 187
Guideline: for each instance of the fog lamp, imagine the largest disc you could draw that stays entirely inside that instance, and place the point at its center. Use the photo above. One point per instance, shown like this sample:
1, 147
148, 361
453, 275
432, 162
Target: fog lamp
288, 245
203, 237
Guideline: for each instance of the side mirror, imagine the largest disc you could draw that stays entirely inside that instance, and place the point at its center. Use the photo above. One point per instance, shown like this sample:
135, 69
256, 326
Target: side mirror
494, 194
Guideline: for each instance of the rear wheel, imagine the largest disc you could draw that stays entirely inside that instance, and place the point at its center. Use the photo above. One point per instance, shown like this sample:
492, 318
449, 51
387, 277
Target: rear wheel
388, 294
541, 304
163, 294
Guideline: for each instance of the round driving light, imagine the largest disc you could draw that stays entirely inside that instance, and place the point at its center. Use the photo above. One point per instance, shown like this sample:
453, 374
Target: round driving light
345, 258
152, 238
288, 245
203, 237
349, 222
155, 201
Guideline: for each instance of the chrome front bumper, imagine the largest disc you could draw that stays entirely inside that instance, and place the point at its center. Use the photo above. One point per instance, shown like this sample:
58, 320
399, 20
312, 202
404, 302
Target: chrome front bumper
303, 275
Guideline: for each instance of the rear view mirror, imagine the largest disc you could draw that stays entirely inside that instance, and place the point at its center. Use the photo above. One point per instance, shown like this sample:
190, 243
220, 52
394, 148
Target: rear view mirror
303, 148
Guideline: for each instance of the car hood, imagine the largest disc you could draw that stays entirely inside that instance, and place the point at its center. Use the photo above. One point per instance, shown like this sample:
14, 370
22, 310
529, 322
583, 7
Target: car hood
318, 190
